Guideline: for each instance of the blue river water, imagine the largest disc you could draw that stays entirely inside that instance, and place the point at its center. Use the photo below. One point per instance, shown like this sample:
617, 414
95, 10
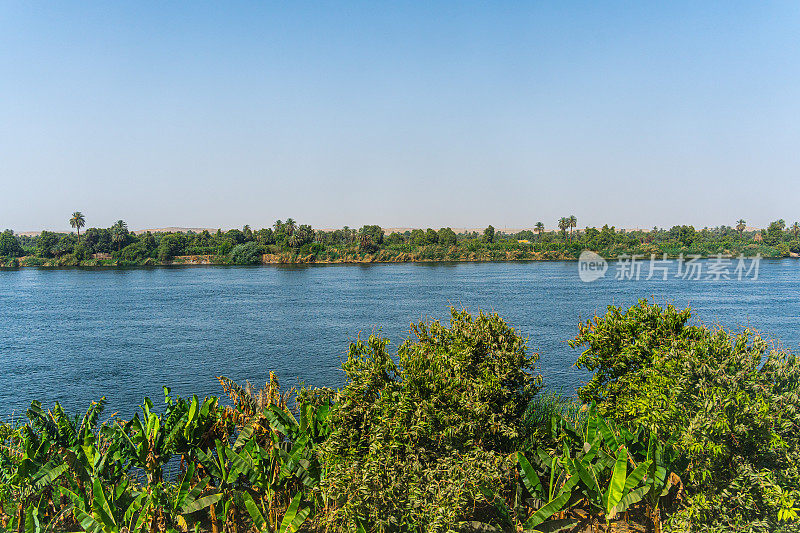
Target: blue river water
74, 335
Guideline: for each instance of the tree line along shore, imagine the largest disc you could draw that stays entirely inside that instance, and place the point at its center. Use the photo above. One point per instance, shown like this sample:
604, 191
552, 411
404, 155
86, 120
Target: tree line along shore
290, 242
680, 428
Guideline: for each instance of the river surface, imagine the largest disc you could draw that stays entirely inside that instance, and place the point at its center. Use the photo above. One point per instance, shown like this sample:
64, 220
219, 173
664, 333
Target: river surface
75, 335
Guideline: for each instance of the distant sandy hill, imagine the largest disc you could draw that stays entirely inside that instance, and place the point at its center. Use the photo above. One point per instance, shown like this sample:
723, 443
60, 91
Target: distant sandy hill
175, 230
459, 230
137, 232
388, 231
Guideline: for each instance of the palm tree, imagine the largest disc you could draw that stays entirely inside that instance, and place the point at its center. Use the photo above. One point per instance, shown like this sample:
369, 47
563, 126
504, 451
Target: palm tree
117, 237
290, 226
540, 230
563, 224
77, 221
573, 222
118, 233
796, 229
278, 226
740, 225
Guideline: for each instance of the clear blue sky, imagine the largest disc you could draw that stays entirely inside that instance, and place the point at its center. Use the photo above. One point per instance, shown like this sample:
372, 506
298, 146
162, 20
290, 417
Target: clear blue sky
402, 114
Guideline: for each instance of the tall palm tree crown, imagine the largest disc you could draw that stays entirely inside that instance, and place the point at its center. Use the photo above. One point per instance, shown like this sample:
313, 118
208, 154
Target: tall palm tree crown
563, 224
740, 225
119, 232
290, 226
77, 221
540, 229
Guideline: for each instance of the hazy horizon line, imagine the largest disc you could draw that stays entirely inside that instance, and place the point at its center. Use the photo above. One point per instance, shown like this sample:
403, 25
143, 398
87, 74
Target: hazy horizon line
387, 229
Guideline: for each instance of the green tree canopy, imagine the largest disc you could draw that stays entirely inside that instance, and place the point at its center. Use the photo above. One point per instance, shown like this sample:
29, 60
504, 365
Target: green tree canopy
9, 245
447, 237
488, 234
46, 244
414, 439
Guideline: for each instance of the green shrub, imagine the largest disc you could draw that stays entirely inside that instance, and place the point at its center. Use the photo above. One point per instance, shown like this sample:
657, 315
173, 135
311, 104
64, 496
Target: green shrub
68, 260
224, 247
9, 245
82, 252
248, 253
414, 440
732, 402
34, 261
132, 253
171, 245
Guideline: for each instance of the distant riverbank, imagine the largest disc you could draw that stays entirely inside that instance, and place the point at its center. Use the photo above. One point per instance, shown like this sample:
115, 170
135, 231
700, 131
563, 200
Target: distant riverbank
382, 256
290, 243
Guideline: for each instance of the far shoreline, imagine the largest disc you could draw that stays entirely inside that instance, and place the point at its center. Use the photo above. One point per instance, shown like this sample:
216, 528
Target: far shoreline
207, 261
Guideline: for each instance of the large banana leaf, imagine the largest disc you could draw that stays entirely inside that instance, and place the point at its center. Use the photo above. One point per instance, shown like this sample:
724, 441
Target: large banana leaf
529, 477
552, 507
616, 485
295, 516
255, 513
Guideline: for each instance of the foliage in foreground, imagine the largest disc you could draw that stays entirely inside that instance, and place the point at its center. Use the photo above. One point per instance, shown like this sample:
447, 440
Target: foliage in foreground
414, 440
682, 428
730, 402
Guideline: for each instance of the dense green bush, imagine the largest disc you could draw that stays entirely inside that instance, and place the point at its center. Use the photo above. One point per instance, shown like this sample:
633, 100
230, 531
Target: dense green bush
171, 245
731, 402
414, 440
247, 254
133, 253
9, 245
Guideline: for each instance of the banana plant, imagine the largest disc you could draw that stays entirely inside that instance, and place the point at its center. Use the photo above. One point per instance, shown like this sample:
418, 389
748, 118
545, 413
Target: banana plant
272, 474
246, 469
35, 521
151, 440
294, 440
546, 502
112, 509
659, 477
623, 489
189, 498
62, 430
230, 470
79, 441
200, 426
31, 472
294, 517
604, 442
288, 460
